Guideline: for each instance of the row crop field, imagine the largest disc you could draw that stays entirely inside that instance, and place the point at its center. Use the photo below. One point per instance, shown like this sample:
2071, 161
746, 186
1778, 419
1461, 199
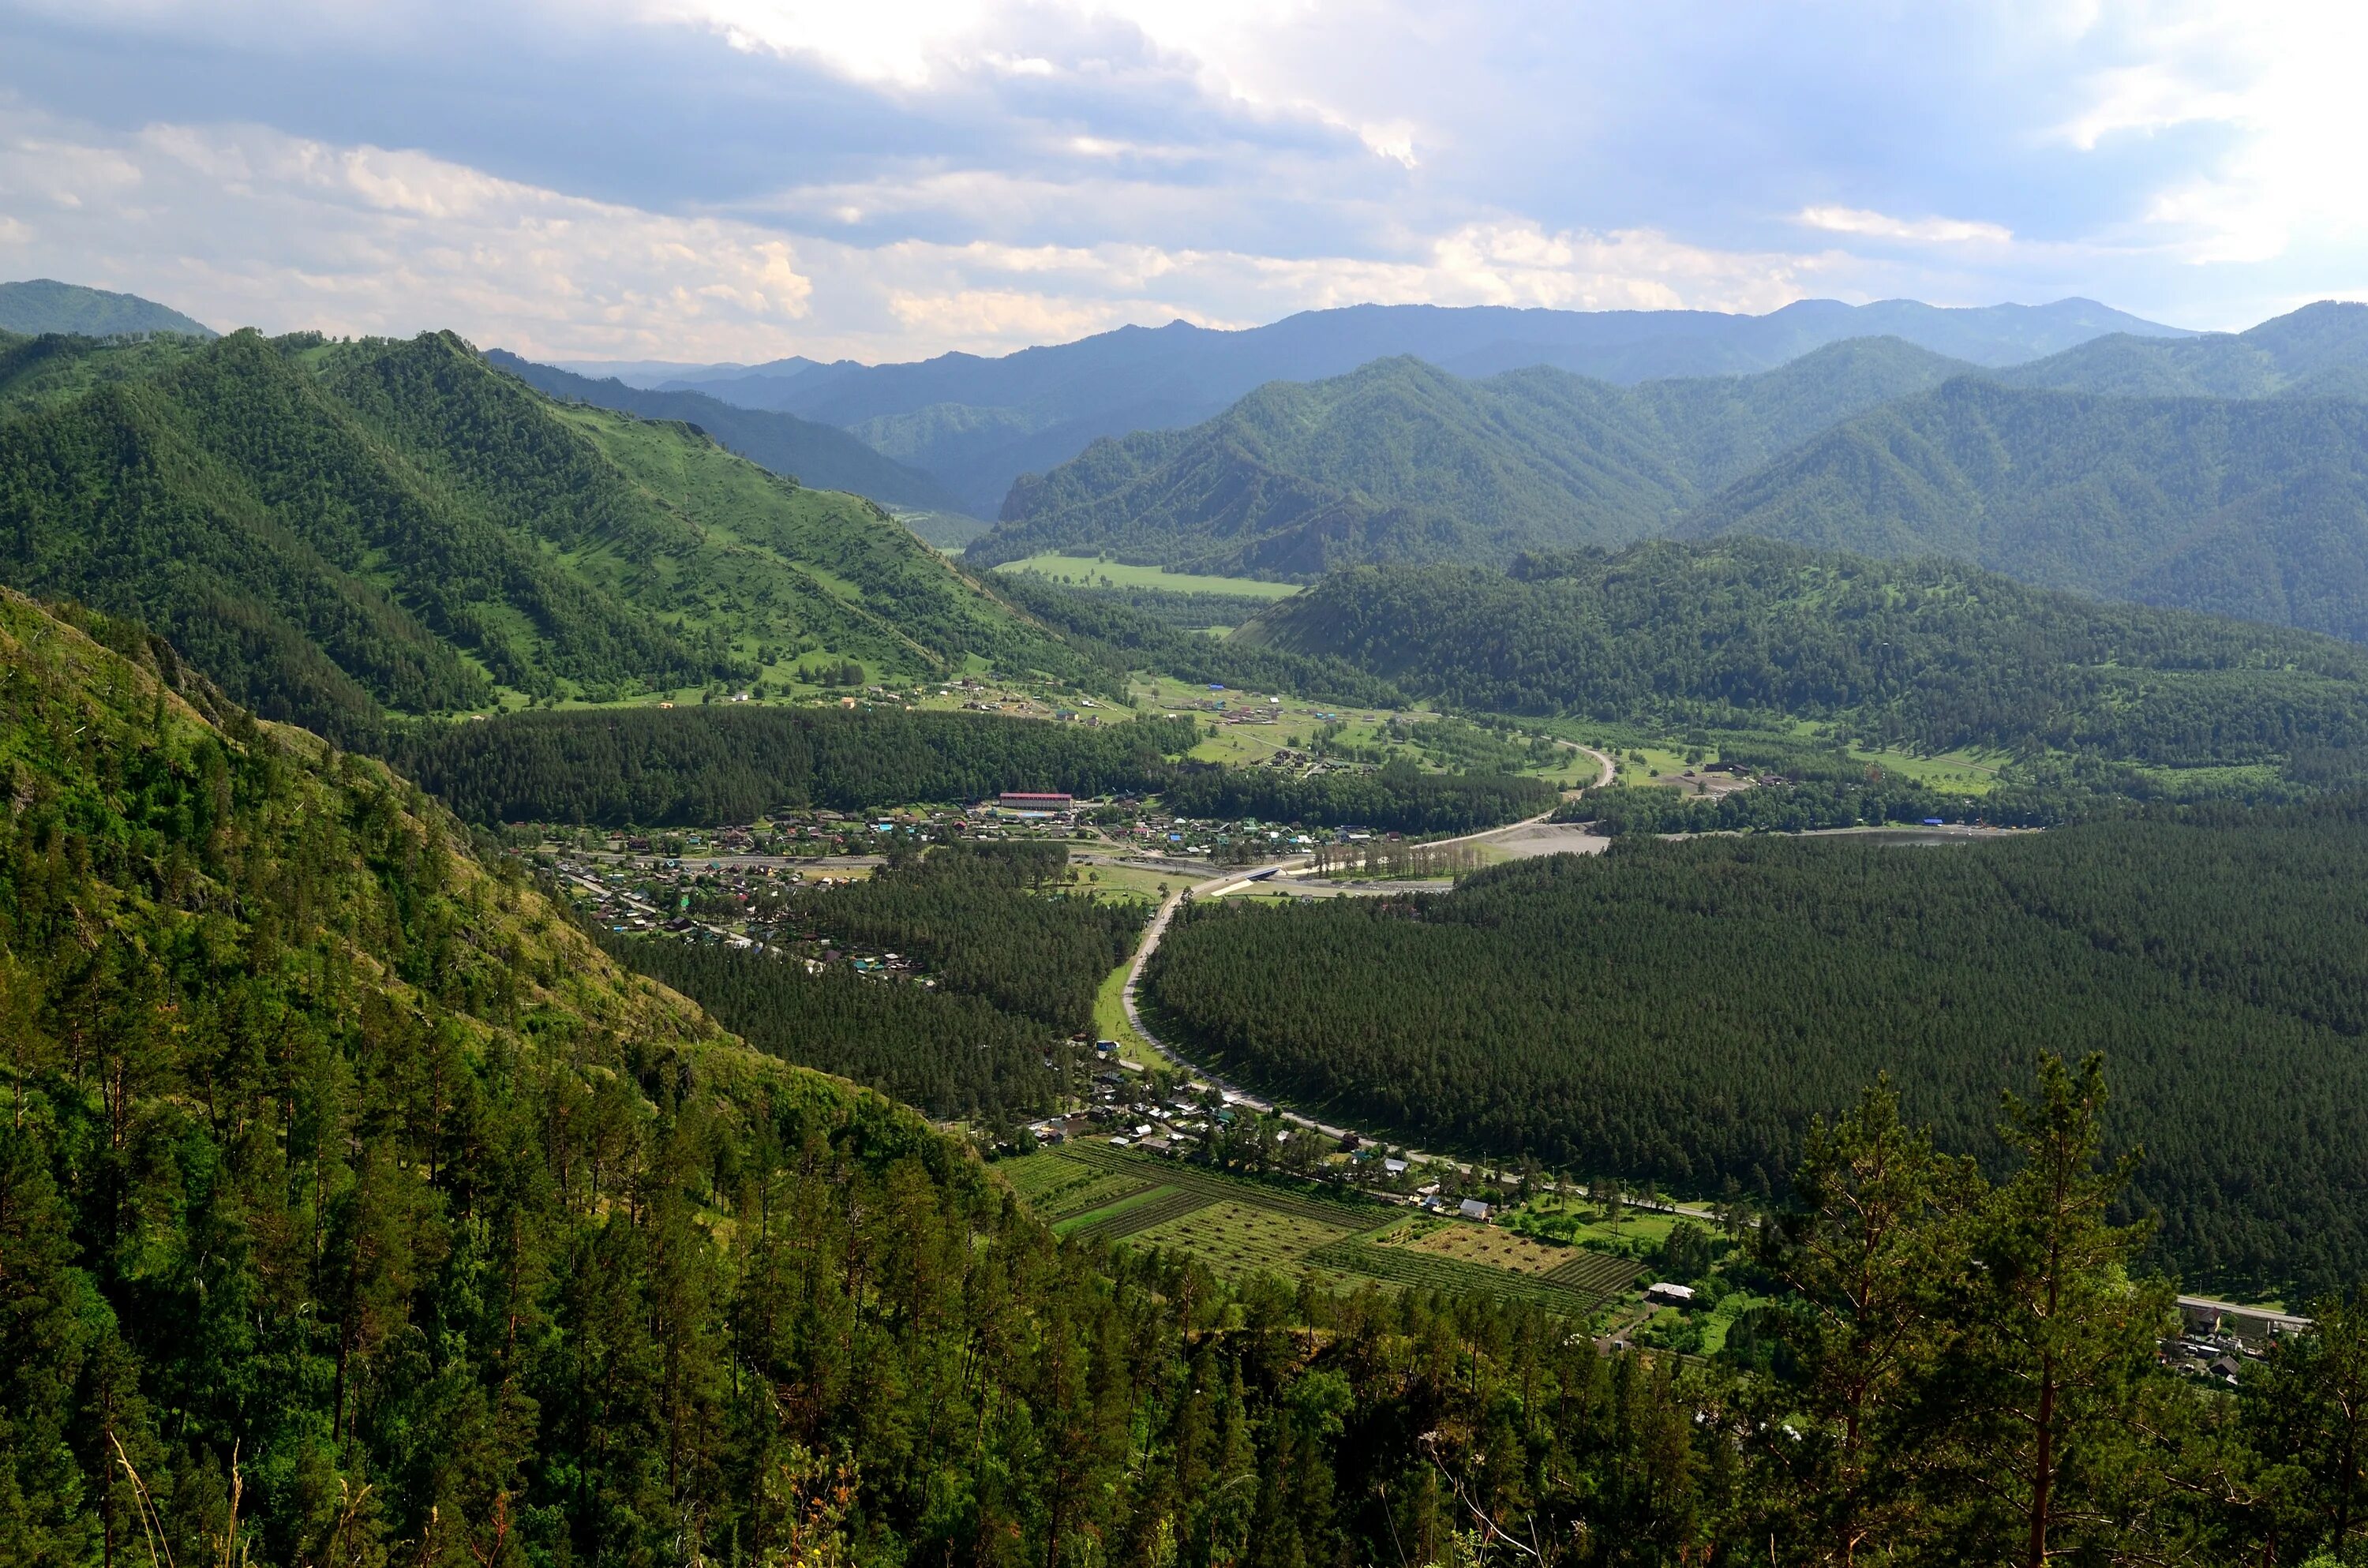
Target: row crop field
1239, 1225
1305, 1203
1417, 1270
1242, 1238
1122, 1221
1595, 1274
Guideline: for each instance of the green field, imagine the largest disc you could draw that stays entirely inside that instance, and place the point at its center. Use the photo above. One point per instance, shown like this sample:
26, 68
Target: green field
1085, 572
1237, 1224
1109, 1019
1242, 1238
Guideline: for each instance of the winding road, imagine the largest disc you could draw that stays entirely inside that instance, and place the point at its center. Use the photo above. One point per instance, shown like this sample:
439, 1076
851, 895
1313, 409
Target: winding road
1217, 887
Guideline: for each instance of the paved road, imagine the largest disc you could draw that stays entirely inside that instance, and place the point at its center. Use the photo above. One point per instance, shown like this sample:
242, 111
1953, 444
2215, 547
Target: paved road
1217, 887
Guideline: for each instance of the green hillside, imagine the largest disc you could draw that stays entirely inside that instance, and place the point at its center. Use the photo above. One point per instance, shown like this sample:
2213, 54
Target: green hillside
40, 372
815, 455
2321, 350
2254, 507
1925, 654
341, 530
44, 305
1402, 462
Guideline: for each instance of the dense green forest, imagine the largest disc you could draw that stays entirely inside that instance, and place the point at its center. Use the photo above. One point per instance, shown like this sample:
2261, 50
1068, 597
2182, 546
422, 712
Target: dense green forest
2321, 350
1399, 798
334, 530
816, 455
950, 1053
356, 1210
1682, 1010
1925, 654
1400, 460
2256, 508
685, 766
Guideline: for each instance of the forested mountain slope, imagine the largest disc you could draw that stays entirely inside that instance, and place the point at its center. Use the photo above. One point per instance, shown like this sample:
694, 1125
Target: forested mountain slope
44, 305
818, 455
355, 1210
978, 424
55, 367
2321, 350
333, 530
2254, 507
1402, 462
1682, 1010
1927, 653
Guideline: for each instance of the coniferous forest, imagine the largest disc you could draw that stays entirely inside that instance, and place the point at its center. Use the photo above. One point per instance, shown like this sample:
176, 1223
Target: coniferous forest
1684, 1010
687, 766
356, 1209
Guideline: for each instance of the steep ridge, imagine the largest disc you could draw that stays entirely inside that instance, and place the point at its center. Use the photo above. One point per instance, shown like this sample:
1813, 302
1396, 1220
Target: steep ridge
978, 423
819, 456
2256, 506
1403, 461
338, 530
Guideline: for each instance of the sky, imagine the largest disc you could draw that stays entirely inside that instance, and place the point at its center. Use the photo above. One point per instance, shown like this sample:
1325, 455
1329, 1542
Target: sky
710, 180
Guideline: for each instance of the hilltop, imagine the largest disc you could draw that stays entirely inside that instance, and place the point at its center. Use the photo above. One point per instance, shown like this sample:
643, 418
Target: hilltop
44, 305
2321, 350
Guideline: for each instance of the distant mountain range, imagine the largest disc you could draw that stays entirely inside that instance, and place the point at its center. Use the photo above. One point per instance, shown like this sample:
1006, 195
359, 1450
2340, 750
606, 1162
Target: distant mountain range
1400, 460
978, 424
2238, 483
651, 375
44, 304
816, 455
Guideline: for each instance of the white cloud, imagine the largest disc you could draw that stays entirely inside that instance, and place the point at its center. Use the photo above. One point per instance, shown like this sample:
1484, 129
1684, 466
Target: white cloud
2278, 84
1916, 230
249, 226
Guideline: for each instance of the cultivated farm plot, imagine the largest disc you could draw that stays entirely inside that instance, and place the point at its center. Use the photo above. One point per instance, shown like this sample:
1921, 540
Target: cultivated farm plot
1595, 1274
1099, 1189
1238, 1238
1139, 1211
1514, 1252
1239, 1225
1057, 1187
1345, 1213
1034, 1176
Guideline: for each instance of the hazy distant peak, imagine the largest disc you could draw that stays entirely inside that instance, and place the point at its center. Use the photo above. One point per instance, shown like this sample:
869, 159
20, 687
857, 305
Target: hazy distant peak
44, 304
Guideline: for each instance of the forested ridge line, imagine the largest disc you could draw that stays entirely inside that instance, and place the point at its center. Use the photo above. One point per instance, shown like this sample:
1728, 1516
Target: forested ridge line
1682, 1010
1924, 653
341, 533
